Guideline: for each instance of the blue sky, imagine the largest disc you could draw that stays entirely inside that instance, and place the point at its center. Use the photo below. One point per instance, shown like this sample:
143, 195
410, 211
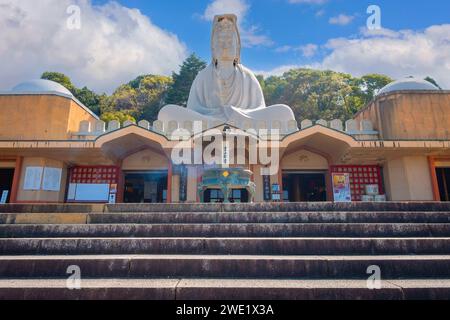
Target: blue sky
119, 40
289, 24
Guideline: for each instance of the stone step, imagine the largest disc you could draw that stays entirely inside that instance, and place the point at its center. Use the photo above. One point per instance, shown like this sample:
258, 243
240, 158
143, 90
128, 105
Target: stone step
274, 217
228, 246
325, 230
245, 267
221, 217
255, 207
223, 289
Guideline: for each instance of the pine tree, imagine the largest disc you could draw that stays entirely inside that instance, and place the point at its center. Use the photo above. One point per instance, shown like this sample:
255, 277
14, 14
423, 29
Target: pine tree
179, 91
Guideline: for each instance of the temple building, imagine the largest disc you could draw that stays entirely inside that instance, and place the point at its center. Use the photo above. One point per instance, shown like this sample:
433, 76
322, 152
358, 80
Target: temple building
53, 149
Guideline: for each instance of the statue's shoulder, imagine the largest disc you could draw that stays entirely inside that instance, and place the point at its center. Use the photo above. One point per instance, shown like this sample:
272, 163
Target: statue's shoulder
248, 72
204, 73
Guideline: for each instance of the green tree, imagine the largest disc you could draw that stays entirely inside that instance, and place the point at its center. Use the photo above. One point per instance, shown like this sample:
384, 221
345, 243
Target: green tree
432, 81
117, 115
152, 95
370, 84
142, 97
86, 96
316, 94
182, 82
60, 78
89, 98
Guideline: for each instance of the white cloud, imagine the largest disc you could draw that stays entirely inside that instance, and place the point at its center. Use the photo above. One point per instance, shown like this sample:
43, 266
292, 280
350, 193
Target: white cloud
250, 35
278, 71
320, 13
114, 44
238, 7
341, 20
283, 49
397, 54
309, 50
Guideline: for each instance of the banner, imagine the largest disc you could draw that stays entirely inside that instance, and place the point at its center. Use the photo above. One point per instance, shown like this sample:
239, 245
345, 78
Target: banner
341, 187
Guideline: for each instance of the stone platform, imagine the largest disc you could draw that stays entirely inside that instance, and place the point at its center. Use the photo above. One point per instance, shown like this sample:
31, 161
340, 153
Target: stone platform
226, 251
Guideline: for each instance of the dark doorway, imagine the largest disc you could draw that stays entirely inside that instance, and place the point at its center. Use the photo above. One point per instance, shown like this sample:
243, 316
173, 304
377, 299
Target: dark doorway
443, 176
216, 196
6, 181
145, 187
304, 187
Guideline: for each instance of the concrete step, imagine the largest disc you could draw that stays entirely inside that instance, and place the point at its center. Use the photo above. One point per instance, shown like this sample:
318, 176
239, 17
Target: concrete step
223, 289
245, 267
228, 246
255, 207
274, 217
225, 217
224, 230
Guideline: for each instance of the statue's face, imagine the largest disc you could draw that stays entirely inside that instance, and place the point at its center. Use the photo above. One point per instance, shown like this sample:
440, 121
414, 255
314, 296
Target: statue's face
225, 41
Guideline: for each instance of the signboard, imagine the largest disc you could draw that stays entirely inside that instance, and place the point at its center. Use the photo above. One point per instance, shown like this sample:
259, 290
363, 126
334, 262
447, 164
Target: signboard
71, 193
341, 187
276, 192
52, 179
225, 154
4, 196
266, 184
112, 198
33, 178
92, 192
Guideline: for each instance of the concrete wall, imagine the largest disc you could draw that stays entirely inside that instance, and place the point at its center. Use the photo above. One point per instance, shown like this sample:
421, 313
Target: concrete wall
175, 188
41, 195
304, 160
40, 117
408, 179
192, 184
410, 115
145, 160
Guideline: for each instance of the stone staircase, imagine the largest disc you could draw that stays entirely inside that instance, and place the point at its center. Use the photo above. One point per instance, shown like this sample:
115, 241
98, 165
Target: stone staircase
235, 251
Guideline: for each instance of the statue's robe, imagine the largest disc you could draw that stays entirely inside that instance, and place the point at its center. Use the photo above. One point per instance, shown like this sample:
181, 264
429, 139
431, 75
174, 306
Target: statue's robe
240, 99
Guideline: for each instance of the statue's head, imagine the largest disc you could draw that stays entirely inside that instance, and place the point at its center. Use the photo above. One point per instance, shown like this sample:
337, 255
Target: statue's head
226, 41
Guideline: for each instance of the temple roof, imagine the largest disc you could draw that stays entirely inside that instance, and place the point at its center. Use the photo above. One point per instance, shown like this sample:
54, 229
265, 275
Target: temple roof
41, 86
408, 84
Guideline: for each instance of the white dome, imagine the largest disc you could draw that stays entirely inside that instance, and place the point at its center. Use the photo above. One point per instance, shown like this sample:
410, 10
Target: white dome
41, 86
408, 84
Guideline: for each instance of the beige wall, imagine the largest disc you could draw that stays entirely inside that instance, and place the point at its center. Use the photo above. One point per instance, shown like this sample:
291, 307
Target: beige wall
258, 179
304, 160
40, 117
145, 160
175, 189
41, 195
408, 179
411, 116
7, 164
192, 184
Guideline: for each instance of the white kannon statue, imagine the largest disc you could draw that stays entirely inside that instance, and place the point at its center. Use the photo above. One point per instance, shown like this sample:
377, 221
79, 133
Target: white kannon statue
226, 91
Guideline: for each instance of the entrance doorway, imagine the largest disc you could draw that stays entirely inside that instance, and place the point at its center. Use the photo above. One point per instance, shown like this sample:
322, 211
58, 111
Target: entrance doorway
443, 176
304, 187
236, 196
145, 187
6, 181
